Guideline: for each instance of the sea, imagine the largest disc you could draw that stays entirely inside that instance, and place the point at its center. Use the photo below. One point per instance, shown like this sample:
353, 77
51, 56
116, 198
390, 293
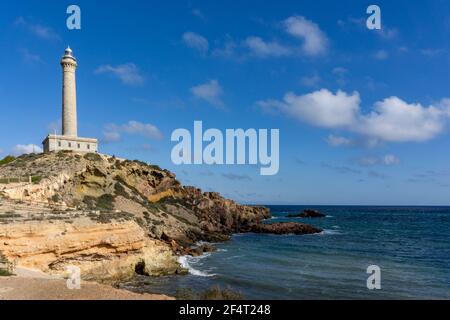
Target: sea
410, 245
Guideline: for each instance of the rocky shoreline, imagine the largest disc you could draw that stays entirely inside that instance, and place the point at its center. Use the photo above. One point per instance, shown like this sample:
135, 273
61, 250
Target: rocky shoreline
114, 217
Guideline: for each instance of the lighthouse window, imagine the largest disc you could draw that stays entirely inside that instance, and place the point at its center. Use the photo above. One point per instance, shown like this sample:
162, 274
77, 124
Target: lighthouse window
59, 143
70, 145
88, 146
79, 146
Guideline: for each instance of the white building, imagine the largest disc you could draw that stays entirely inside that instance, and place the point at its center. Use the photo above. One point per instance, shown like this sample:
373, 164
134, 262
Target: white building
69, 139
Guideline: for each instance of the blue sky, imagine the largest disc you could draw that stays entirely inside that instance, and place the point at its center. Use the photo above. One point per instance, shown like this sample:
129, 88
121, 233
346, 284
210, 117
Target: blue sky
363, 115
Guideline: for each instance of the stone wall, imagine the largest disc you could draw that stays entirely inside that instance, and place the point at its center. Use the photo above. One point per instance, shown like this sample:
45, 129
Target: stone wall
58, 143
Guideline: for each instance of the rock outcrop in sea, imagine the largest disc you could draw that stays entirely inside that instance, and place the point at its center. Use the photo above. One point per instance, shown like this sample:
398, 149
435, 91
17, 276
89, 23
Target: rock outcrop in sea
308, 213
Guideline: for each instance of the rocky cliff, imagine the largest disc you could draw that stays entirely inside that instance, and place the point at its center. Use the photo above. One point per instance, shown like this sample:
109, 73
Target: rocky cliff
104, 213
101, 251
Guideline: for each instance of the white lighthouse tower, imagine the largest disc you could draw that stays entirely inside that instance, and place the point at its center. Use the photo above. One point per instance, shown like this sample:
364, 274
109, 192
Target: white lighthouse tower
69, 139
69, 94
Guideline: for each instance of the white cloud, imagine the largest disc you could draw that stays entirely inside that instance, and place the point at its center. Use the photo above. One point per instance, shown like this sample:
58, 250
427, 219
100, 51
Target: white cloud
340, 71
321, 108
236, 177
340, 74
311, 81
198, 13
112, 132
444, 105
391, 120
196, 41
128, 73
111, 136
143, 129
386, 160
26, 149
388, 33
261, 48
29, 57
338, 141
210, 92
381, 55
227, 51
368, 161
315, 42
431, 53
390, 160
38, 30
397, 121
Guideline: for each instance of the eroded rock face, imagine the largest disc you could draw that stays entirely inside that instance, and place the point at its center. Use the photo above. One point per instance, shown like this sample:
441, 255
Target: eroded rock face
151, 196
105, 251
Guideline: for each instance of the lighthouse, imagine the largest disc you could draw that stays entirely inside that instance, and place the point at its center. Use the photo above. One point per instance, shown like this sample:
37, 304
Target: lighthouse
69, 139
69, 94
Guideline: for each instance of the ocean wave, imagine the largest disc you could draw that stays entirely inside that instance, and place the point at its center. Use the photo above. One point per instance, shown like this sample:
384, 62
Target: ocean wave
202, 243
187, 261
328, 232
273, 218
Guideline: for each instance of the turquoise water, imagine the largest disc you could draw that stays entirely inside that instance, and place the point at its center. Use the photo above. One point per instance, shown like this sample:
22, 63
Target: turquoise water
411, 245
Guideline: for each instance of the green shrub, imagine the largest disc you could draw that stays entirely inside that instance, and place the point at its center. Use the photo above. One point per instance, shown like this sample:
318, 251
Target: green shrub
140, 221
214, 293
155, 222
6, 160
155, 167
55, 198
106, 202
9, 215
186, 294
4, 261
93, 157
120, 190
90, 201
5, 273
63, 153
118, 164
182, 219
107, 217
36, 179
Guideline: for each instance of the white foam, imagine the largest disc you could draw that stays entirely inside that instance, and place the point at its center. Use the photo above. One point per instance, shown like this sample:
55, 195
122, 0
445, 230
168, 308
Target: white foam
186, 262
328, 232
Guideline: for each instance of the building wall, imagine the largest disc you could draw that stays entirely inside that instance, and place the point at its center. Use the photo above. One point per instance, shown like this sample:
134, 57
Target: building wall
58, 143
